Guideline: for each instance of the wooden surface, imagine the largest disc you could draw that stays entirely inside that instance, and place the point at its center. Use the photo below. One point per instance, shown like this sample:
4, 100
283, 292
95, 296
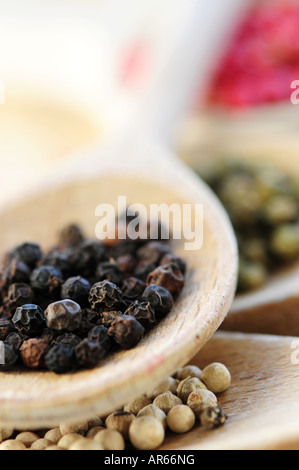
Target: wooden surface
262, 402
33, 399
274, 308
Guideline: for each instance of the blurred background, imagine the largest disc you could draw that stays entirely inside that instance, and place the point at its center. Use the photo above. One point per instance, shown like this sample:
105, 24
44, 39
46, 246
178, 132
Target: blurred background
76, 73
246, 111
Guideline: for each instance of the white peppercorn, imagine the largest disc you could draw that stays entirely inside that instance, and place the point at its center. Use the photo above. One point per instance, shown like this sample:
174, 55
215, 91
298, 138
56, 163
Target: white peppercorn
154, 412
180, 419
41, 444
188, 385
168, 385
166, 401
120, 421
93, 431
188, 371
212, 417
146, 433
53, 435
80, 428
68, 439
136, 405
86, 444
6, 432
95, 422
216, 376
27, 438
12, 444
201, 399
110, 439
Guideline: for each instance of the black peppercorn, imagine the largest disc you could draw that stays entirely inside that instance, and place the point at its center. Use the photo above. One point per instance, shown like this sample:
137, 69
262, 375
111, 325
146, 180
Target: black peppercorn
153, 251
46, 279
143, 312
60, 260
33, 351
143, 269
77, 289
105, 295
123, 248
10, 357
160, 298
29, 320
63, 315
90, 315
15, 340
108, 270
86, 257
67, 308
127, 263
18, 295
99, 334
6, 327
70, 235
125, 303
2, 289
171, 258
28, 253
4, 311
16, 272
60, 358
84, 327
126, 331
48, 335
106, 318
133, 287
70, 339
168, 276
89, 353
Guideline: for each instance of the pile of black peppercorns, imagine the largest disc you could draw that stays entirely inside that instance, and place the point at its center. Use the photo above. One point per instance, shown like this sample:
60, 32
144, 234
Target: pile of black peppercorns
70, 307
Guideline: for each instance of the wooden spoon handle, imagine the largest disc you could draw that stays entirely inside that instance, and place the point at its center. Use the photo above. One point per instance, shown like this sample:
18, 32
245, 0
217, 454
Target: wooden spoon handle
190, 49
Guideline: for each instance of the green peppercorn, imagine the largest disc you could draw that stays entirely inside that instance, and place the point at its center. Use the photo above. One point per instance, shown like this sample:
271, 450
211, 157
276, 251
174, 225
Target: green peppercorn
263, 203
251, 275
285, 241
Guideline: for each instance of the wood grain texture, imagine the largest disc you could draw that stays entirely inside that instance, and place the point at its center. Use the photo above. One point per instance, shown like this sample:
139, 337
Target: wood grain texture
262, 402
30, 399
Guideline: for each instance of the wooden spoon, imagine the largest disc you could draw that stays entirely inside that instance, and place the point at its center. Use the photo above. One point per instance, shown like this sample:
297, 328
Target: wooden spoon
145, 173
274, 308
137, 167
262, 401
269, 134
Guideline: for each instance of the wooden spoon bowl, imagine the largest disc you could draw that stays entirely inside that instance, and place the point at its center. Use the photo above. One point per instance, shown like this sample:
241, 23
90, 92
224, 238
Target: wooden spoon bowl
40, 399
